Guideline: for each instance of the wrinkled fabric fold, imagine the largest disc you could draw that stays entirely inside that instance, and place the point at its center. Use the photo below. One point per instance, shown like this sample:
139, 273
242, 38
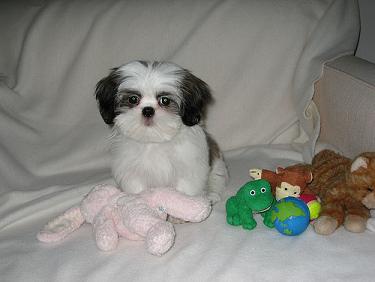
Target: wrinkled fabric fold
260, 58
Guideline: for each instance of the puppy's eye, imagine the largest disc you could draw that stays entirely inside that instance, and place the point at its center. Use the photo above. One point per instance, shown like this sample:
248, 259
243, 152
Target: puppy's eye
164, 101
134, 100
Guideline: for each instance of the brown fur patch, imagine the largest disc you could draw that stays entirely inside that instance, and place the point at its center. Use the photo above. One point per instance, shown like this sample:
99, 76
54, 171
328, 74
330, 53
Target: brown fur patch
213, 149
341, 190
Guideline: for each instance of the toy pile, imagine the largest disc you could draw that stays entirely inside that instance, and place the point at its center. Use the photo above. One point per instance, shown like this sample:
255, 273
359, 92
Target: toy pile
279, 197
331, 192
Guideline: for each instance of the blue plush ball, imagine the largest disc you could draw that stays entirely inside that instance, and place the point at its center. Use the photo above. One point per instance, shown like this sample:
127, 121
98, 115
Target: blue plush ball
291, 216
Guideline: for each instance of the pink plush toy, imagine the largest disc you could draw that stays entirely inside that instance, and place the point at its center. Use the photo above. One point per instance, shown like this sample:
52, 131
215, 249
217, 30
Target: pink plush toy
114, 213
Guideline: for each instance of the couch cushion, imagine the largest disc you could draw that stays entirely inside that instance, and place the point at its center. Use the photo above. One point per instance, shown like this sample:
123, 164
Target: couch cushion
345, 97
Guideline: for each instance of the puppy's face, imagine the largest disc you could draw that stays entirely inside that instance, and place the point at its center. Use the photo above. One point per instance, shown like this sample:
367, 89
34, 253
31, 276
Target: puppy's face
151, 101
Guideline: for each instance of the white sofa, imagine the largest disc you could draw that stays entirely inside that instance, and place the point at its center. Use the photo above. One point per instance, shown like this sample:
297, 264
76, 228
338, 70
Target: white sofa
262, 60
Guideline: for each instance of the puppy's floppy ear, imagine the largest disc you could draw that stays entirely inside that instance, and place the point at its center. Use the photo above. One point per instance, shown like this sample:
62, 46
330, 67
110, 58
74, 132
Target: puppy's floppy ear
105, 93
196, 96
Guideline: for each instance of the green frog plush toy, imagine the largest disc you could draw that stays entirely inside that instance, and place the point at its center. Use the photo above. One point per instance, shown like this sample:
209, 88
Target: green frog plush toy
253, 197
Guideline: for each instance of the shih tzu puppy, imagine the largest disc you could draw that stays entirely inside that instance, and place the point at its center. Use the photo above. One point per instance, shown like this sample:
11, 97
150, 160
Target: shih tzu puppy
156, 111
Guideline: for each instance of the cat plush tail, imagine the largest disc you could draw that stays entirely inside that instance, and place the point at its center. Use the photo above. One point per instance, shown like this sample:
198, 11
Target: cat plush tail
61, 226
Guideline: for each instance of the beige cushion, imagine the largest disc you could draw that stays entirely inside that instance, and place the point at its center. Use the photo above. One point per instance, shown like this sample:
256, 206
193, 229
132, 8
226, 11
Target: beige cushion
345, 97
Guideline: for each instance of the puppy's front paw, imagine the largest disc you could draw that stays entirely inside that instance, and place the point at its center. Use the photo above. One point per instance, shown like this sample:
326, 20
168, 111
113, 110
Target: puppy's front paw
213, 197
355, 223
325, 225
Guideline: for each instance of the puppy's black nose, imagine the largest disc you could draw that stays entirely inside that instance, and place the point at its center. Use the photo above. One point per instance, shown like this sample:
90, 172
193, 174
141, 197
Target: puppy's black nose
148, 112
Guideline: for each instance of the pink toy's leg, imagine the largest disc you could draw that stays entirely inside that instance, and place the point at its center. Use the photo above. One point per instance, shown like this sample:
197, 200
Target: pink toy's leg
58, 228
144, 221
96, 199
104, 229
122, 230
179, 205
160, 238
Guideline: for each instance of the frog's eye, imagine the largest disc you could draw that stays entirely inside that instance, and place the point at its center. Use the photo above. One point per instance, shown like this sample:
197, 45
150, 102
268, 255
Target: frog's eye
252, 193
263, 190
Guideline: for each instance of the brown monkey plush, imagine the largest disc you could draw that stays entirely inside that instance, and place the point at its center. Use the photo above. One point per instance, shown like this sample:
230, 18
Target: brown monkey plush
285, 182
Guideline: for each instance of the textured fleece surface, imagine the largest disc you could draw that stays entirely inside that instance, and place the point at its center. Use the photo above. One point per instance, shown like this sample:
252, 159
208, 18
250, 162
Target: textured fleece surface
260, 58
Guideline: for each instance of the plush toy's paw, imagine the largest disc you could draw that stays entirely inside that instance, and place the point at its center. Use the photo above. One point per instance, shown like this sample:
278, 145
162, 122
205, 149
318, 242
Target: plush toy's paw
325, 225
58, 228
160, 238
203, 209
234, 220
268, 222
106, 236
193, 209
355, 223
249, 225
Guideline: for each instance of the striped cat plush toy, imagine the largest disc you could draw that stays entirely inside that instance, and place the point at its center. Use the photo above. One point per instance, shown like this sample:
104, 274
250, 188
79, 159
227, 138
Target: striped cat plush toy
346, 189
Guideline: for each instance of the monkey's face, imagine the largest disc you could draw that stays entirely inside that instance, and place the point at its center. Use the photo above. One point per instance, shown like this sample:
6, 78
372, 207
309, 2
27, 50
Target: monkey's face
287, 190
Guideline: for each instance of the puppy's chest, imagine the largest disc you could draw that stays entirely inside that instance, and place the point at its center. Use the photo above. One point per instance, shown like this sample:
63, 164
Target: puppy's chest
146, 157
156, 163
162, 164
154, 159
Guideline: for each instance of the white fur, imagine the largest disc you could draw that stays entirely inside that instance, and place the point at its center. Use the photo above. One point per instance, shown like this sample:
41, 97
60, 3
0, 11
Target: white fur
150, 80
181, 163
165, 126
166, 153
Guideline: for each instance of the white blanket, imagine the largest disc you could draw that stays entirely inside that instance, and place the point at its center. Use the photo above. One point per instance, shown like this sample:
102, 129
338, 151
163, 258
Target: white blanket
261, 59
208, 251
